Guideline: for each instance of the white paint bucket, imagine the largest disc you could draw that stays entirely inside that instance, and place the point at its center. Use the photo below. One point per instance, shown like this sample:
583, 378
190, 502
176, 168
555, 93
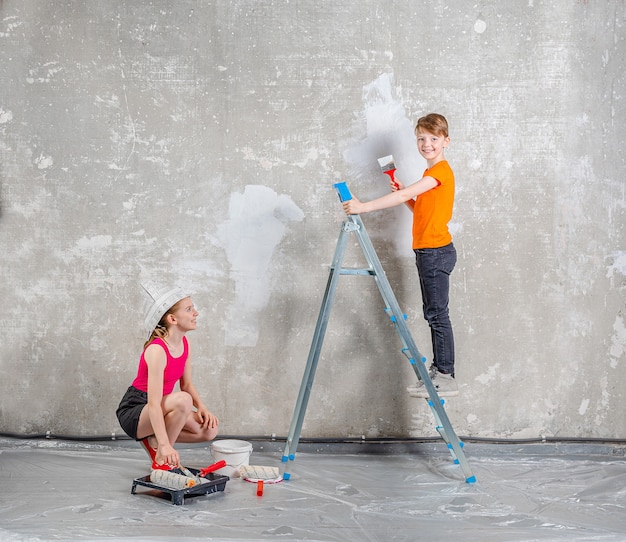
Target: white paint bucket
235, 452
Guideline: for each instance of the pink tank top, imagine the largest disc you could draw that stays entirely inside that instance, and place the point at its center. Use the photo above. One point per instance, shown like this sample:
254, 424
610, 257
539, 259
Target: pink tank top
173, 370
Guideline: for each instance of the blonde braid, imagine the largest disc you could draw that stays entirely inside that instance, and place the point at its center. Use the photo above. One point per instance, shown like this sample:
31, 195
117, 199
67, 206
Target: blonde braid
160, 331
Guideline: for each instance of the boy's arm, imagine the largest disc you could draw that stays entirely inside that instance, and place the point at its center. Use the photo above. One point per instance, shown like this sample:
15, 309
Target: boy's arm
397, 185
404, 195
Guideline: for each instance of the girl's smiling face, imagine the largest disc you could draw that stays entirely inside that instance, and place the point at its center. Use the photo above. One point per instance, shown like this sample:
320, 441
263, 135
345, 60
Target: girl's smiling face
431, 146
186, 314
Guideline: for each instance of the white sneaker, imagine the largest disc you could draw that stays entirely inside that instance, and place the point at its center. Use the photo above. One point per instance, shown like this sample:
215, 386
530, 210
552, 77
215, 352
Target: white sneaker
444, 384
414, 388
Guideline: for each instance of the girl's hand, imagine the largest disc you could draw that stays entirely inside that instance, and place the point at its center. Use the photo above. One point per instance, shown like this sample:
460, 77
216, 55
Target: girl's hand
167, 455
205, 418
353, 206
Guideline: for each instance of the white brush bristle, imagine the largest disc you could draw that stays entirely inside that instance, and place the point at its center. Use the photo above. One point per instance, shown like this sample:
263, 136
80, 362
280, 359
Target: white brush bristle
386, 163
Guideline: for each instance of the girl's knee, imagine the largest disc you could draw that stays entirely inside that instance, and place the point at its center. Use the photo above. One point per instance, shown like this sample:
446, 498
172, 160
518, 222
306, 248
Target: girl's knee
197, 433
207, 435
182, 401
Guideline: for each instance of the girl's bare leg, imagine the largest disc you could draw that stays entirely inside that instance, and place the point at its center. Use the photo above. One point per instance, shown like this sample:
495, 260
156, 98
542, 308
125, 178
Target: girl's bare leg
194, 432
177, 408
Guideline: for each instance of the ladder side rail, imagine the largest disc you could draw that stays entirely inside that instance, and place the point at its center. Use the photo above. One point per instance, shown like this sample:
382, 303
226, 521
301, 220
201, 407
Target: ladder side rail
390, 299
420, 370
314, 354
450, 437
442, 432
406, 350
454, 444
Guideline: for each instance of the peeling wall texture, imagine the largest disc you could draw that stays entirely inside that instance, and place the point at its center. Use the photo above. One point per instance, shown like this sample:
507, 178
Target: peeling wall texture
196, 143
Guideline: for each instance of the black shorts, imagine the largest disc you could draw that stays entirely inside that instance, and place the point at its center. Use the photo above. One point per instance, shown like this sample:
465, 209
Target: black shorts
129, 410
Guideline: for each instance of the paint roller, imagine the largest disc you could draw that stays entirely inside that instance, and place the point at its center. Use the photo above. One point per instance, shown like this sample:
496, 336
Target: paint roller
173, 479
388, 167
182, 477
255, 474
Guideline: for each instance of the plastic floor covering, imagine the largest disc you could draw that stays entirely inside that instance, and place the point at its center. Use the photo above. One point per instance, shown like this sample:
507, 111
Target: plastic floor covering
61, 490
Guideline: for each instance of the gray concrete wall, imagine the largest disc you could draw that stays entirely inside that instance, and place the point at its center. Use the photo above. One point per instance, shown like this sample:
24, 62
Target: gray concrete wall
196, 143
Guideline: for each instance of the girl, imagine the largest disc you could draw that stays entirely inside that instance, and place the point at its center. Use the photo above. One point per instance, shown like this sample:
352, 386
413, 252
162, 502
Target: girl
150, 411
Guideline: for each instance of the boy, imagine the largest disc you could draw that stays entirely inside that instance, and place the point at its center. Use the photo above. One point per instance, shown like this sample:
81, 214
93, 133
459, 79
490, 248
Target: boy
431, 200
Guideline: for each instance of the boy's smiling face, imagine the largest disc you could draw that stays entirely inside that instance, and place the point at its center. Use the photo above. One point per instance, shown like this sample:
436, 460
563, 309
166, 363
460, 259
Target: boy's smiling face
431, 146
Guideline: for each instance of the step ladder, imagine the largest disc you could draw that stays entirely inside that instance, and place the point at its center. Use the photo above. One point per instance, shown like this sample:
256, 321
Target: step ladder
354, 225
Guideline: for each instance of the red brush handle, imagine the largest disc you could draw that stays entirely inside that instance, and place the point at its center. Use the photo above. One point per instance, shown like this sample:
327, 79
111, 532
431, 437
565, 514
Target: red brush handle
211, 468
391, 173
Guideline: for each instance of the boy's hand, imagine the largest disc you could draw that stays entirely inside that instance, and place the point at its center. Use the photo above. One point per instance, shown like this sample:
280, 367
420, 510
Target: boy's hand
353, 206
395, 184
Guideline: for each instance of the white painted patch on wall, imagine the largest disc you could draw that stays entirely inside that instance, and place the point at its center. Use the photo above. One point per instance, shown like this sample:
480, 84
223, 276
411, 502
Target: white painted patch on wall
11, 23
489, 376
44, 162
603, 405
94, 243
5, 116
475, 164
44, 73
480, 26
387, 130
617, 268
618, 264
256, 225
381, 129
584, 405
618, 341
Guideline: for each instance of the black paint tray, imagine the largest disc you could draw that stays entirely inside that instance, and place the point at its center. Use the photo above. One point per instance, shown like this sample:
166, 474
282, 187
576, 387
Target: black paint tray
217, 482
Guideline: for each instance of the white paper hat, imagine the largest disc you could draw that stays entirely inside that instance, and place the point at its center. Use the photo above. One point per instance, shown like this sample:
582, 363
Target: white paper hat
158, 300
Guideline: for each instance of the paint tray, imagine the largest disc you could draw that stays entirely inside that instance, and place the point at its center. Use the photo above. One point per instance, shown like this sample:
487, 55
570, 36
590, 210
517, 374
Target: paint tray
217, 482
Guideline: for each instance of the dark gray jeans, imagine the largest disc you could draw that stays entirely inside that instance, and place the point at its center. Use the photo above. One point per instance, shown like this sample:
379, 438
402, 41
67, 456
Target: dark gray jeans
434, 266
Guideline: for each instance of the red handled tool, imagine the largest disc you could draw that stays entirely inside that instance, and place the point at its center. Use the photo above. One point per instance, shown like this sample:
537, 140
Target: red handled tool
388, 167
212, 468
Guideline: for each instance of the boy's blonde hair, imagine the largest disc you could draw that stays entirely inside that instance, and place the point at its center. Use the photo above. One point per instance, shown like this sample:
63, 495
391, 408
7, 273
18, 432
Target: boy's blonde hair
433, 123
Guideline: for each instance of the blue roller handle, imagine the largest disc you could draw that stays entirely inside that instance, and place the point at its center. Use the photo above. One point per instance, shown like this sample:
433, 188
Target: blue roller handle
343, 191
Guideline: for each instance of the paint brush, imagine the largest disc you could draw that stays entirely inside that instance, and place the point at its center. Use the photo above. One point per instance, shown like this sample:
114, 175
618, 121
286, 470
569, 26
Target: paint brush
388, 167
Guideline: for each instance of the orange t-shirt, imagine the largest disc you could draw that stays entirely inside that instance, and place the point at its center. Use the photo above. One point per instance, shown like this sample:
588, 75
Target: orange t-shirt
433, 209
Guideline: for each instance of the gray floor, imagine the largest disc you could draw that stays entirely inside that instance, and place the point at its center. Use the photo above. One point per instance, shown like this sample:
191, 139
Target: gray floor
60, 490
